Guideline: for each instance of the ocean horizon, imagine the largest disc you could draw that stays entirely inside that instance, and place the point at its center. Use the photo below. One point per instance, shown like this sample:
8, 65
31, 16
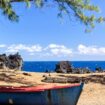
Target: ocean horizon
42, 66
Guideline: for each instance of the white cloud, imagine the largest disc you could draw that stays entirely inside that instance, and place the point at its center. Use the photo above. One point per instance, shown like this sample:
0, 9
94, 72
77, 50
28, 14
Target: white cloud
55, 51
55, 46
39, 51
2, 45
21, 47
91, 50
58, 50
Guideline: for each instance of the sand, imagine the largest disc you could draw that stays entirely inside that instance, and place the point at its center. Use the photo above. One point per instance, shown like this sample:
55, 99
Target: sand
92, 94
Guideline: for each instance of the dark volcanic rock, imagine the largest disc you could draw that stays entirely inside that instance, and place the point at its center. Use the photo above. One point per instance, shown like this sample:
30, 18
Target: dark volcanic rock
3, 61
63, 67
15, 61
66, 67
99, 69
12, 61
81, 70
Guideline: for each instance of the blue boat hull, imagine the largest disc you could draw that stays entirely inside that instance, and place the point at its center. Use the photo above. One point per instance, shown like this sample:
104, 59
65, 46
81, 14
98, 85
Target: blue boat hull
62, 96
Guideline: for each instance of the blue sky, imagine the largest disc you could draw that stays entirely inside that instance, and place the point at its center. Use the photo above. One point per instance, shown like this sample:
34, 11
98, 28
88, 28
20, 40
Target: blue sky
40, 35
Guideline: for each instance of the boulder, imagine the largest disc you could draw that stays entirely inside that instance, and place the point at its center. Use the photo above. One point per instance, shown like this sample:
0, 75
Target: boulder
66, 67
98, 69
63, 67
13, 61
3, 61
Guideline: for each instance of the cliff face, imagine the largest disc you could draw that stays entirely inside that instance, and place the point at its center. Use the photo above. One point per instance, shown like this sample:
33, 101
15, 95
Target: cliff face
13, 61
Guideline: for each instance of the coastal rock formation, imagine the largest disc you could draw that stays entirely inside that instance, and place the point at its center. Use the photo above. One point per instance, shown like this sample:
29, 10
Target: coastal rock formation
14, 61
63, 67
66, 67
98, 69
81, 70
3, 61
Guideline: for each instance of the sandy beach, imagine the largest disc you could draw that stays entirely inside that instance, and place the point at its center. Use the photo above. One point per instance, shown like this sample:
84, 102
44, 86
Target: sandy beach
92, 94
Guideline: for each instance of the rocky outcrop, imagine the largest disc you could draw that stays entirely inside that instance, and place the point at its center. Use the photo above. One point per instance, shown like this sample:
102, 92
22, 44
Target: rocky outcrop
81, 70
13, 61
98, 69
66, 67
3, 61
63, 67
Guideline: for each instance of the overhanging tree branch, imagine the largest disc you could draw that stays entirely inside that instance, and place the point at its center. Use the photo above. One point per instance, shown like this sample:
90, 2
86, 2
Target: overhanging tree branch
20, 0
78, 8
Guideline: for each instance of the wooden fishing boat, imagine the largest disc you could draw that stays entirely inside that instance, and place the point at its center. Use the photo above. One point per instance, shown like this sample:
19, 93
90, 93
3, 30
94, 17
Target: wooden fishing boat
49, 94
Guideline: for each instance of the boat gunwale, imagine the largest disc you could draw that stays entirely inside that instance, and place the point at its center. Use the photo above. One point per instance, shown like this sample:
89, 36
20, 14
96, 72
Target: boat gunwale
38, 88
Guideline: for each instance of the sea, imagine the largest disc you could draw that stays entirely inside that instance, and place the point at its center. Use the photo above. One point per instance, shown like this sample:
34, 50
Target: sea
42, 66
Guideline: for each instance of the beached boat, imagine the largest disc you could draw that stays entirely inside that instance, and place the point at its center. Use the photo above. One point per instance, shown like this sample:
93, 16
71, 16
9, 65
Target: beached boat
49, 94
